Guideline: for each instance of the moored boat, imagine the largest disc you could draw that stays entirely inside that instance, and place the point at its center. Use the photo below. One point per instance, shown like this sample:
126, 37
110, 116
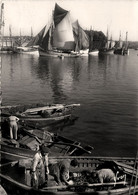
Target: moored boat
94, 52
122, 48
26, 50
92, 49
29, 140
109, 48
81, 176
39, 112
81, 39
57, 39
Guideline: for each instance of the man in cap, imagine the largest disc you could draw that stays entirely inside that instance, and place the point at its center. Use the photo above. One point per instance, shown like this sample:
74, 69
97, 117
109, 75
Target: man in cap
40, 168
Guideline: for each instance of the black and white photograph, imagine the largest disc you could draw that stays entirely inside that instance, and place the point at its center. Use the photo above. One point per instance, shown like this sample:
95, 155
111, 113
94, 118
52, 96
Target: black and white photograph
69, 97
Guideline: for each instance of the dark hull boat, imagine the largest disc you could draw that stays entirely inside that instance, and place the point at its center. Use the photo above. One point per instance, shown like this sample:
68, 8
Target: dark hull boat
106, 51
29, 141
81, 176
121, 51
121, 47
109, 46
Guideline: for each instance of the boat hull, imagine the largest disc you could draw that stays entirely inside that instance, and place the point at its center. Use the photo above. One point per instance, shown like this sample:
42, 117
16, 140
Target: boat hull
39, 112
57, 54
16, 187
23, 184
94, 53
106, 51
30, 51
26, 146
121, 51
11, 153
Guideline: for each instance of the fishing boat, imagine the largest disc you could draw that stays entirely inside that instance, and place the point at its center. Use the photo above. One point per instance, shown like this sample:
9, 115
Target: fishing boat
30, 139
122, 48
39, 112
26, 50
108, 49
92, 50
81, 39
58, 39
81, 177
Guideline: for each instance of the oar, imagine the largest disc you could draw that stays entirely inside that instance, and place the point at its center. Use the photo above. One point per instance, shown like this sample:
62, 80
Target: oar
86, 185
58, 107
9, 163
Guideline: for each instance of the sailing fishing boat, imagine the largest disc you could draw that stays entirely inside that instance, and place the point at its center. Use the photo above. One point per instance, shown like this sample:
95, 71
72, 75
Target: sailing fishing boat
92, 50
81, 39
108, 49
119, 46
58, 39
27, 49
122, 48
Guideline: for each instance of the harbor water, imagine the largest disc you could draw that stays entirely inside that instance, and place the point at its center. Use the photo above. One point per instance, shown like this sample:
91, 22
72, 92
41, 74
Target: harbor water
105, 86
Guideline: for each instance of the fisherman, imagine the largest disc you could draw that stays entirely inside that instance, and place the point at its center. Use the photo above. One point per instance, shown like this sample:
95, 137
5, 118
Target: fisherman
40, 168
106, 175
60, 170
13, 126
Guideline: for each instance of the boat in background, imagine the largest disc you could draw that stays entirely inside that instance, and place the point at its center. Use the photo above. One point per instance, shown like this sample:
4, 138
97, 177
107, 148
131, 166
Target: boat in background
58, 39
109, 47
39, 112
122, 48
26, 50
81, 39
82, 178
92, 50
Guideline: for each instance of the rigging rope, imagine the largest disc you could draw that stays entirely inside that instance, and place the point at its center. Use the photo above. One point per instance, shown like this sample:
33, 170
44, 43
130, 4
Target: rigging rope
134, 168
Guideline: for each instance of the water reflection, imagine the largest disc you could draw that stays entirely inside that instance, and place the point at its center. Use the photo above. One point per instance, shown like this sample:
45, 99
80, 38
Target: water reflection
105, 86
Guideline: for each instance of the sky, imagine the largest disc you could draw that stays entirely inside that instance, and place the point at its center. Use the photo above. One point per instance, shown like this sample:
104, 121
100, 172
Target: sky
116, 15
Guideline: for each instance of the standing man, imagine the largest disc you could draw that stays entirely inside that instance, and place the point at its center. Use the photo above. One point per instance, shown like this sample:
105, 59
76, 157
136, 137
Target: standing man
13, 127
40, 168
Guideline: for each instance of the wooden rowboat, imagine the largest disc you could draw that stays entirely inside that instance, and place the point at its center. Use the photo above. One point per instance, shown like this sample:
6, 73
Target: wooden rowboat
29, 140
38, 112
81, 183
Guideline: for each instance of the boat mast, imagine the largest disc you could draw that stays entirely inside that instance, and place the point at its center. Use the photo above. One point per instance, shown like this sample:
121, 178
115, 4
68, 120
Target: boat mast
91, 40
120, 41
110, 44
1, 25
107, 46
126, 45
79, 38
10, 34
31, 32
20, 43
